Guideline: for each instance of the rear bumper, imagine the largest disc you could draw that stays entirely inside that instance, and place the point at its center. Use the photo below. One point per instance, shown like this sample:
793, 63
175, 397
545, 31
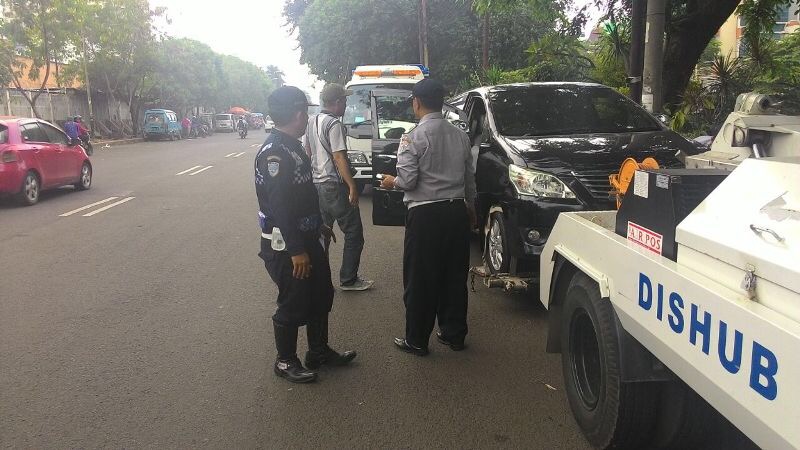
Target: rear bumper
11, 176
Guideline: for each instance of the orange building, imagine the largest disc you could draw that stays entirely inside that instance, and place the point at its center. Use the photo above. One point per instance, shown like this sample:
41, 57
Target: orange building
52, 82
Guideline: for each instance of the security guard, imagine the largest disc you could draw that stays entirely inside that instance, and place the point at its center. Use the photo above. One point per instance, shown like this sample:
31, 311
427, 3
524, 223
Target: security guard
435, 168
291, 228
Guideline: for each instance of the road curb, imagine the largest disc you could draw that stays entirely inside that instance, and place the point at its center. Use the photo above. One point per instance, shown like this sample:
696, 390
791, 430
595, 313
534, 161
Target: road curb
114, 143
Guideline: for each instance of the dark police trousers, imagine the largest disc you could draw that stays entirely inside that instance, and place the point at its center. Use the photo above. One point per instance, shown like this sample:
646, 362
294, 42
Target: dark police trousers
299, 300
435, 267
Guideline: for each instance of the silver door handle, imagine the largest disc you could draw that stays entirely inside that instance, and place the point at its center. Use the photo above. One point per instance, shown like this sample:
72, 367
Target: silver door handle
760, 230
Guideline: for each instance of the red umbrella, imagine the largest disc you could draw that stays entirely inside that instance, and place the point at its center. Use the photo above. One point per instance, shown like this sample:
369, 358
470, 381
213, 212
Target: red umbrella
238, 110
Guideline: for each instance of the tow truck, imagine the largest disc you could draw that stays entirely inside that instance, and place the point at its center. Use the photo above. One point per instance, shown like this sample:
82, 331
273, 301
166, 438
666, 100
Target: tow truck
678, 315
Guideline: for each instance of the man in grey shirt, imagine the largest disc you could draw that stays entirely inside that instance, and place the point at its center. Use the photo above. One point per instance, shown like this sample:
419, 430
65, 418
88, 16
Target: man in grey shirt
326, 144
436, 170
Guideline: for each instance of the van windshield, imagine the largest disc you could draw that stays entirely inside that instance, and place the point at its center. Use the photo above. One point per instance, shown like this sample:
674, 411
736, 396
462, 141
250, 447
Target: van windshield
223, 117
358, 106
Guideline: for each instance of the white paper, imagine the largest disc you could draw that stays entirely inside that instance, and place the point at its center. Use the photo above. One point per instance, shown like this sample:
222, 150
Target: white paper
640, 183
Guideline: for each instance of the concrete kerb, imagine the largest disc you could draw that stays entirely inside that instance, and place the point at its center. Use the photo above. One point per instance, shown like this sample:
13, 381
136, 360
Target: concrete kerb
116, 142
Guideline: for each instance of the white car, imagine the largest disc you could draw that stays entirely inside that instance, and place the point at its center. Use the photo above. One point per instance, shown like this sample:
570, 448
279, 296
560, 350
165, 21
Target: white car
268, 124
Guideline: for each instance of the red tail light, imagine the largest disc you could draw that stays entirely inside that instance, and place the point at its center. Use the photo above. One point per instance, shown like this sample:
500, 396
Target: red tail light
9, 156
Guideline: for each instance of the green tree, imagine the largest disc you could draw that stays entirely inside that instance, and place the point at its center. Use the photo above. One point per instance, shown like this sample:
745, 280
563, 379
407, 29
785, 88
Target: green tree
35, 29
276, 75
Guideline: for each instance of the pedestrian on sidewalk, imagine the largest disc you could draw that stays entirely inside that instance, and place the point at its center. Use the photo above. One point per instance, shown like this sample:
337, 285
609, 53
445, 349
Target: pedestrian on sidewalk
326, 144
436, 170
291, 228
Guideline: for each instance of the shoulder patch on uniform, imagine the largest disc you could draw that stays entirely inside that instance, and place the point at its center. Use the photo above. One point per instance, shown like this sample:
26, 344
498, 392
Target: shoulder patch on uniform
273, 167
405, 142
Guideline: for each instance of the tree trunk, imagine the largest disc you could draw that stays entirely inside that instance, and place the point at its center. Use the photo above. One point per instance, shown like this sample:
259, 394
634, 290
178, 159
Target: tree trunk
687, 38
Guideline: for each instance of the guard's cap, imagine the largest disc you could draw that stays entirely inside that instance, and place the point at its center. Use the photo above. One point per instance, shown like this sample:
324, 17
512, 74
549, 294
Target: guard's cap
429, 89
332, 92
288, 98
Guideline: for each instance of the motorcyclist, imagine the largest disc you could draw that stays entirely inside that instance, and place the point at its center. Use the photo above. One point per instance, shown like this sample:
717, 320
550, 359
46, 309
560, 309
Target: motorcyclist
84, 135
241, 126
71, 129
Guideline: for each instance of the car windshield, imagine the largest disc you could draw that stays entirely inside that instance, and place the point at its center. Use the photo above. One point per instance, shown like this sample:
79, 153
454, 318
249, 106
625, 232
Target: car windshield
3, 134
223, 117
548, 110
357, 110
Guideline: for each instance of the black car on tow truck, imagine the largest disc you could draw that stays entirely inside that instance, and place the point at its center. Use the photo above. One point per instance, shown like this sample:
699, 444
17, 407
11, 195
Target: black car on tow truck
548, 148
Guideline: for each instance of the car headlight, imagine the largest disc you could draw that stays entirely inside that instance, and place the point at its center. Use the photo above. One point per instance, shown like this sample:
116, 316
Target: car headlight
539, 184
357, 158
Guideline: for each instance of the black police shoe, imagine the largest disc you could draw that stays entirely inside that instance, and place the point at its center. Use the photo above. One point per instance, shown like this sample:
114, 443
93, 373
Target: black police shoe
403, 345
329, 356
455, 346
294, 371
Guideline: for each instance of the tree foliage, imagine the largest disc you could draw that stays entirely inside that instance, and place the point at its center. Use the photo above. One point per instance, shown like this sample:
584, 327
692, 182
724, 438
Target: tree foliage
332, 43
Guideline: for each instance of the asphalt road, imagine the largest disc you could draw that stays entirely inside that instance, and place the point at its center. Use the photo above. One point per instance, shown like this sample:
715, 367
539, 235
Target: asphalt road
147, 324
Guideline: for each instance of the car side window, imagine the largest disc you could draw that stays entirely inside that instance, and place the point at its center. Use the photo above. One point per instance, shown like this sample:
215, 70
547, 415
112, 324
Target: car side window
54, 135
31, 132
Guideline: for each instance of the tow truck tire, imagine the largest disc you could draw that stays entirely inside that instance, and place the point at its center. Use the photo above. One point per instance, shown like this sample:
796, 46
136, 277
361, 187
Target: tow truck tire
611, 413
495, 250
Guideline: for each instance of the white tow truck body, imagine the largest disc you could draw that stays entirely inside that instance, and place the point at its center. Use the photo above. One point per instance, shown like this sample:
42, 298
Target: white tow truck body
725, 316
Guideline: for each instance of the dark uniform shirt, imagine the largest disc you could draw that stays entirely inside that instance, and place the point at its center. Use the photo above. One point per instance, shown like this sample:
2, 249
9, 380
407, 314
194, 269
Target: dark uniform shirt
287, 198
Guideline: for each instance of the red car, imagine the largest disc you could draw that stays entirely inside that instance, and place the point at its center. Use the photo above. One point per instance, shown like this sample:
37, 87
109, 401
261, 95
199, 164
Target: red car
35, 156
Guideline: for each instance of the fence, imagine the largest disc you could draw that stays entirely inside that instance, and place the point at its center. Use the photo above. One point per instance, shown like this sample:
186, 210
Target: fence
112, 118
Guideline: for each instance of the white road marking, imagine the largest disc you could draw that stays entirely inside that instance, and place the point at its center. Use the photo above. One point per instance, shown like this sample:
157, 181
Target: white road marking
254, 145
238, 155
230, 154
188, 170
201, 170
97, 211
83, 208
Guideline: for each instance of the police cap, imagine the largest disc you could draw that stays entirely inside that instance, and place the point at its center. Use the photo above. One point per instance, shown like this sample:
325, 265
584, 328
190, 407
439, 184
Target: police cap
287, 99
429, 89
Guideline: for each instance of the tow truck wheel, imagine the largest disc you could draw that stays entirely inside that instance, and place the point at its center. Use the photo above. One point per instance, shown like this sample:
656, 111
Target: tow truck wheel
495, 252
611, 413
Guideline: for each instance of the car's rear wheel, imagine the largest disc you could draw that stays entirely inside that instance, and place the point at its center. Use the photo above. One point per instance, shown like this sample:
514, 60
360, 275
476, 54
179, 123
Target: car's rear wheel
85, 181
31, 188
495, 253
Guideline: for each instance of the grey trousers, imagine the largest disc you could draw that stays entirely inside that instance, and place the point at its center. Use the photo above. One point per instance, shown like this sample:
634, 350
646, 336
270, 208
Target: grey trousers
334, 204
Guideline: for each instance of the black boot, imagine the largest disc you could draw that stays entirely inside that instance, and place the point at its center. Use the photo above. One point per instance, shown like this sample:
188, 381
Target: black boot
318, 351
288, 365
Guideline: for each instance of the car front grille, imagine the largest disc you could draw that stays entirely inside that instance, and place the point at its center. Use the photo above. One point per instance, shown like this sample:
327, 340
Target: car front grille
596, 182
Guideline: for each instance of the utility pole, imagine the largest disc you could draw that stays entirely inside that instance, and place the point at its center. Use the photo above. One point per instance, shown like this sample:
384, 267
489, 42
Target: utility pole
424, 57
654, 56
638, 11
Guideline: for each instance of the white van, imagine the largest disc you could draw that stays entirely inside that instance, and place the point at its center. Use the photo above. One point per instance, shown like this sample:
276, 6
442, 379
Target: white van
225, 122
356, 115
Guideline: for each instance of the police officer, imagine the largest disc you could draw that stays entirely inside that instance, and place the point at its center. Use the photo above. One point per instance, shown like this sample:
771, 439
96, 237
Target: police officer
291, 228
435, 168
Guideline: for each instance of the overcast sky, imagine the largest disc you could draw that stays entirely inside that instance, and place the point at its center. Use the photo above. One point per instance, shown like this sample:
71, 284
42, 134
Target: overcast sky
249, 29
